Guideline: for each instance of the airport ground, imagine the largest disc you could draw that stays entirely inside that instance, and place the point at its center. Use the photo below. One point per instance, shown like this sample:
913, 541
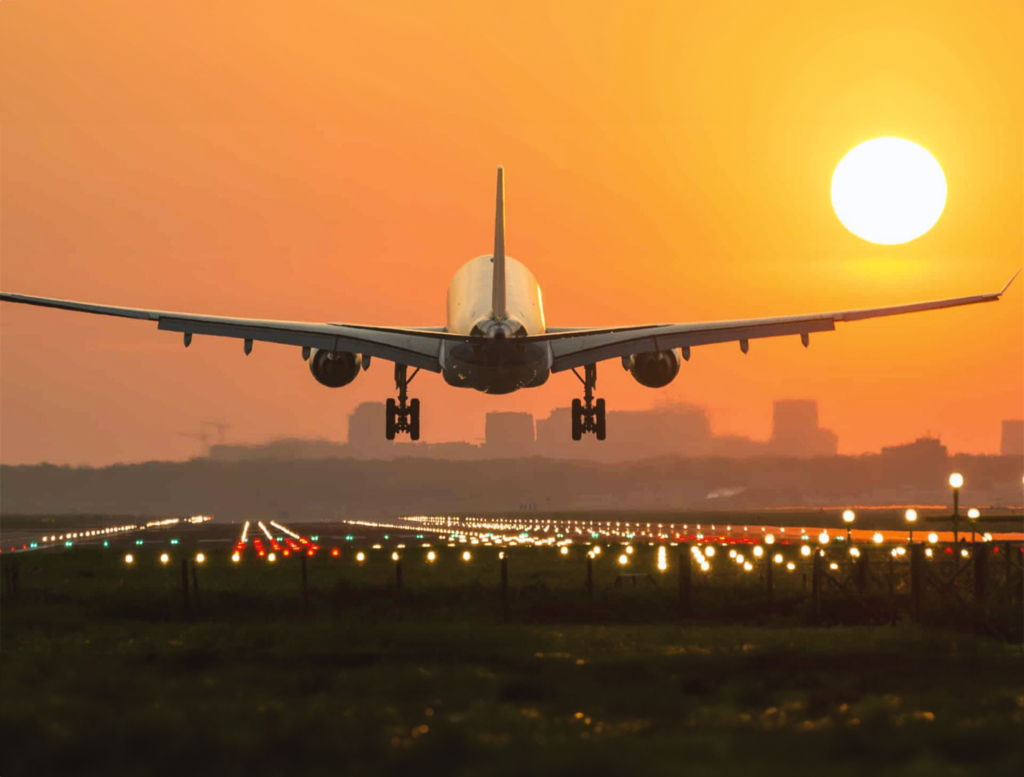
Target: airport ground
104, 671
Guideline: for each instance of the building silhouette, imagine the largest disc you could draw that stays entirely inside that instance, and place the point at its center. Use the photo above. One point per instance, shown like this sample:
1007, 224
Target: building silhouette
509, 434
795, 430
1012, 441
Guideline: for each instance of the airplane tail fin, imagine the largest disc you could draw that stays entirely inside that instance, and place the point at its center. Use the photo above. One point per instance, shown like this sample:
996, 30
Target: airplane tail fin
499, 310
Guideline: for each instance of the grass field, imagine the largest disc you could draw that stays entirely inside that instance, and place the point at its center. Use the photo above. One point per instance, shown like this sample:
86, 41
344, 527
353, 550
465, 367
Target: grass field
101, 673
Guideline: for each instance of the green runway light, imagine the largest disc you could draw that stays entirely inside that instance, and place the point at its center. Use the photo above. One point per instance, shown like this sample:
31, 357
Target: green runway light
138, 542
418, 536
174, 542
349, 537
33, 545
387, 537
106, 543
315, 537
68, 543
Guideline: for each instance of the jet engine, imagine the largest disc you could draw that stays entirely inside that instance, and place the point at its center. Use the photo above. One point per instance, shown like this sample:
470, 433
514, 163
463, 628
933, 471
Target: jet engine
655, 369
335, 369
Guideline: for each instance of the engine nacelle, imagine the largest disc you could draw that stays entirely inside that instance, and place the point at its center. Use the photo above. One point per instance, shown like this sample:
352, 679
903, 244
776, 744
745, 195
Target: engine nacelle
655, 369
335, 369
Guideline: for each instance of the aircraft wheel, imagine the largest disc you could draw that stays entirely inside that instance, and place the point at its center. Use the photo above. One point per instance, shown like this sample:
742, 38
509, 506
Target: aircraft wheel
389, 421
414, 419
577, 420
599, 424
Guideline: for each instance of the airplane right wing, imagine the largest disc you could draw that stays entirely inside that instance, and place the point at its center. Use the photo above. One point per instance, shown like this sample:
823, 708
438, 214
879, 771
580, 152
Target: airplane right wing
577, 348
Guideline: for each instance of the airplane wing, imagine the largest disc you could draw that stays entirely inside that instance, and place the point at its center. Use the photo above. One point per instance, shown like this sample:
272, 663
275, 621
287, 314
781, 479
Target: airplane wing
576, 348
413, 347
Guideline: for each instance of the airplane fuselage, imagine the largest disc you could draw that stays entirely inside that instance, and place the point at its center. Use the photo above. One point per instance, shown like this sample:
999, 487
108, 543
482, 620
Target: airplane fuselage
501, 362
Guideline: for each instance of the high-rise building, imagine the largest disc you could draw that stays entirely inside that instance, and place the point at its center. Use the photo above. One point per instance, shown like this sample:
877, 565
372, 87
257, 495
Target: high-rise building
366, 428
1012, 443
795, 430
508, 434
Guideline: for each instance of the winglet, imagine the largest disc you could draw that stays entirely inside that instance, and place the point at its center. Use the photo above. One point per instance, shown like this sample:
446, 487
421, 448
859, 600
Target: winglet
1008, 283
498, 308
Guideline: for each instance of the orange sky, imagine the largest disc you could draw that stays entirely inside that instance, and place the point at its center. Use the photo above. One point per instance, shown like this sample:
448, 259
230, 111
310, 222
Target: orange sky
335, 162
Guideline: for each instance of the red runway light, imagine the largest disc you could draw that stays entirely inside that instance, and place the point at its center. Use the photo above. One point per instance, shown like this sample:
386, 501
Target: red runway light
335, 552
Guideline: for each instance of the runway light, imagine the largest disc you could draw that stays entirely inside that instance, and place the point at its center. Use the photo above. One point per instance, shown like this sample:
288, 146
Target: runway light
928, 552
769, 539
877, 538
662, 559
848, 516
164, 558
823, 538
394, 556
501, 554
431, 556
833, 566
910, 515
790, 566
732, 552
974, 513
597, 550
805, 550
129, 559
705, 566
964, 553
271, 557
623, 559
466, 555
956, 480
778, 558
855, 552
933, 537
758, 551
335, 552
360, 556
236, 556
200, 558
564, 551
629, 549
748, 566
709, 551
739, 558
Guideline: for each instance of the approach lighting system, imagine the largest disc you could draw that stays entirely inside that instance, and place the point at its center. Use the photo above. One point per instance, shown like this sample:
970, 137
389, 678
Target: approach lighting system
164, 558
956, 480
129, 558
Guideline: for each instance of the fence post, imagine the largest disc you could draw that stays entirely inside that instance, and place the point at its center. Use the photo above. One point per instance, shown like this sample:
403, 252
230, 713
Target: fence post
863, 573
916, 580
590, 579
195, 584
504, 588
184, 588
685, 579
769, 578
305, 586
816, 580
398, 575
980, 551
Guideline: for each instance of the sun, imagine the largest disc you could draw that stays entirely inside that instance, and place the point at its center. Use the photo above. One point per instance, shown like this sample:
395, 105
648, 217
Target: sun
888, 191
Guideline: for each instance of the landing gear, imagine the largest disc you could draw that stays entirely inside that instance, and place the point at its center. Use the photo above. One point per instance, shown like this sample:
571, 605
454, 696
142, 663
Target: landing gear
403, 414
588, 414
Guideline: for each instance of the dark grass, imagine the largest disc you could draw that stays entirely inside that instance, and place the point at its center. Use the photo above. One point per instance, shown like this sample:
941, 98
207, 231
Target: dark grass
101, 673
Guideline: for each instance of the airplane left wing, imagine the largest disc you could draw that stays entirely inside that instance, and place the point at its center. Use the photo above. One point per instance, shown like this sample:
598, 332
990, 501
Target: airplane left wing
413, 347
576, 348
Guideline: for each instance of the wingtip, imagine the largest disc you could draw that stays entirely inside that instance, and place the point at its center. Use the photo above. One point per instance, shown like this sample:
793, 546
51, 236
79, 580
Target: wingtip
1009, 282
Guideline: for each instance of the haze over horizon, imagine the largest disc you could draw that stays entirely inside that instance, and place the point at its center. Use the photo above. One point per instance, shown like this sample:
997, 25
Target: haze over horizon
335, 162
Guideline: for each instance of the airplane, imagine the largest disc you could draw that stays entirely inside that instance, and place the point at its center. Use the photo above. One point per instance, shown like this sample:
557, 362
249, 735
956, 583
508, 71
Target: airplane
496, 339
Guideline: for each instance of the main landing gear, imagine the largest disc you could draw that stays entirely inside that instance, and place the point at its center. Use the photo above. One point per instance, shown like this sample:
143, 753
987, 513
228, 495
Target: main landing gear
588, 414
403, 415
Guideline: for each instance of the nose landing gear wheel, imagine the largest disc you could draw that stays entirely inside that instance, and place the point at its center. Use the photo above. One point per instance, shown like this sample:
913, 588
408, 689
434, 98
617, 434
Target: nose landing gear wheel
588, 414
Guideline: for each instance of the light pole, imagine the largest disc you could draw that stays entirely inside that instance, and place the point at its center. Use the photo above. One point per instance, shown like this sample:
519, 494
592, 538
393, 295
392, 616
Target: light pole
848, 516
956, 482
973, 515
911, 516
